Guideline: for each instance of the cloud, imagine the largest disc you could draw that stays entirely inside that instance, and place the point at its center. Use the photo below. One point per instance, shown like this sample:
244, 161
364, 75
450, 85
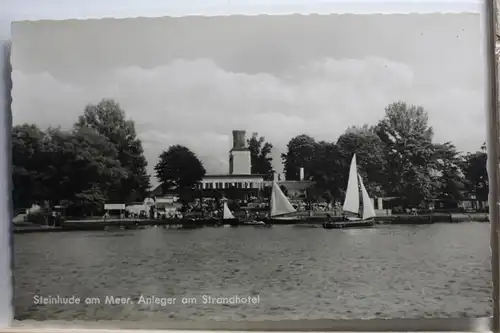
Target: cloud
198, 104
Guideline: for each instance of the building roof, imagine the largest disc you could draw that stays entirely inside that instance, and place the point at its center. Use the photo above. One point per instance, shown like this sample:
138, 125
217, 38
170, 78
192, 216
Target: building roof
158, 190
233, 176
294, 184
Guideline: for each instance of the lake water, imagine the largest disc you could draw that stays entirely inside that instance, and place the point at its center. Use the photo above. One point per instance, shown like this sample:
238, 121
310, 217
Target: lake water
440, 270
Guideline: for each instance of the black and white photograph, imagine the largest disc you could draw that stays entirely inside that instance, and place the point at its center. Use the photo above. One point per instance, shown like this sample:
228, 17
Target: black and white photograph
249, 168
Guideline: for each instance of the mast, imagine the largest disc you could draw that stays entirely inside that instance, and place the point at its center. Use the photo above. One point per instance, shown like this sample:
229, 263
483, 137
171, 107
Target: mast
201, 200
308, 200
270, 203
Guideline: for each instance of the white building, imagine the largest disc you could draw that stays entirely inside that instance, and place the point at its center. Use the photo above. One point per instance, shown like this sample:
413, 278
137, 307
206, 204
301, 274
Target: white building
240, 170
239, 176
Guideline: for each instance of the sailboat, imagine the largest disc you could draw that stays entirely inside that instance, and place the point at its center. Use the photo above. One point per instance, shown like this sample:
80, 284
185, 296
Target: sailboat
228, 216
362, 216
280, 207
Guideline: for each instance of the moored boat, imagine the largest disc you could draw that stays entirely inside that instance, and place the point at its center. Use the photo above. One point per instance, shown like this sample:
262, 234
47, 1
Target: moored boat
228, 217
349, 224
280, 208
257, 224
360, 207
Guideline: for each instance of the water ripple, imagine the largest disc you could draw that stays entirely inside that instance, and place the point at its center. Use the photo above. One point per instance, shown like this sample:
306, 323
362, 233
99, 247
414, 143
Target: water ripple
440, 270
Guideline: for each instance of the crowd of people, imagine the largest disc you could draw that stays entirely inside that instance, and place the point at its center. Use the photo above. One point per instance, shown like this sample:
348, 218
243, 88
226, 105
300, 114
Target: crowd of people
251, 209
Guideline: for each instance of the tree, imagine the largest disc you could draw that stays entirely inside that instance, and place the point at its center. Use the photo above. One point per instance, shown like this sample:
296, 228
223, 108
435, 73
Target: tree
108, 119
27, 169
409, 152
476, 174
300, 154
448, 165
99, 160
326, 170
86, 168
78, 167
259, 151
180, 168
370, 157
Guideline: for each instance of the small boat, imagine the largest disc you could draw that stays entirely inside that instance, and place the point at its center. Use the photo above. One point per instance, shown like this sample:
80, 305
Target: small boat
280, 208
228, 216
257, 224
363, 217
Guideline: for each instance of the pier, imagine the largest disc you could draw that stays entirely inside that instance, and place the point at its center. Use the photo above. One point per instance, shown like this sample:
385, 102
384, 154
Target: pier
104, 224
113, 224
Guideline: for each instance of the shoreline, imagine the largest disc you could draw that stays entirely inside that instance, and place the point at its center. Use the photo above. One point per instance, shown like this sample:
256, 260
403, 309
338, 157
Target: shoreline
400, 219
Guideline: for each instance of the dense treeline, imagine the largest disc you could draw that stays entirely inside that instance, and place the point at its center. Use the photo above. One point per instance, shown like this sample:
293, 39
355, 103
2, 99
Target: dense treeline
100, 159
396, 157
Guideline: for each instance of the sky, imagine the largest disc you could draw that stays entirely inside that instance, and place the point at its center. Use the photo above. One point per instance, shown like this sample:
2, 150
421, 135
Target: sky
192, 80
57, 9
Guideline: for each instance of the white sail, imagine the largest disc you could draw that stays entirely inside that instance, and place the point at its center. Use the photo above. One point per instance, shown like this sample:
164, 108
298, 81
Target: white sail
226, 213
351, 202
280, 204
368, 209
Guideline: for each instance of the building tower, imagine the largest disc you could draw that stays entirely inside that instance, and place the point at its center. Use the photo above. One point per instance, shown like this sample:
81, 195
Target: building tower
240, 162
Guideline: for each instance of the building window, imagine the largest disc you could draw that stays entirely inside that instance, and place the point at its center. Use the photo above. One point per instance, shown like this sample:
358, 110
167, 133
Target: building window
239, 185
226, 185
246, 185
210, 186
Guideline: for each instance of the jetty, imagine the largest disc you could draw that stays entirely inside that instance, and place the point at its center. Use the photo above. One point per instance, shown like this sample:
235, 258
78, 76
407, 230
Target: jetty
32, 228
131, 223
112, 224
304, 219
